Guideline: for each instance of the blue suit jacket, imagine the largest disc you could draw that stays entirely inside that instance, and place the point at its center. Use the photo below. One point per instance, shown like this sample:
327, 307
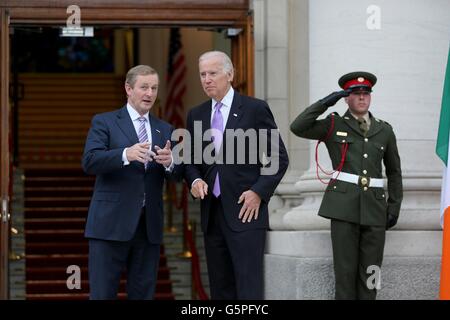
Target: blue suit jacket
119, 190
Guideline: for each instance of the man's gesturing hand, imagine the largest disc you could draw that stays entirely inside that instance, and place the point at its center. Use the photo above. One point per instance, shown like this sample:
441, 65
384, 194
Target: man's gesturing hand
140, 152
199, 189
250, 208
164, 156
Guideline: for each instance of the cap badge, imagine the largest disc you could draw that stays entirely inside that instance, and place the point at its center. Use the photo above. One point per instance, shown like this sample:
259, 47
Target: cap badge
360, 79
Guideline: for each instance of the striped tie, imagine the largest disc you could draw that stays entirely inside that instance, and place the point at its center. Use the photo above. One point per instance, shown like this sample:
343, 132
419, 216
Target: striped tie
142, 134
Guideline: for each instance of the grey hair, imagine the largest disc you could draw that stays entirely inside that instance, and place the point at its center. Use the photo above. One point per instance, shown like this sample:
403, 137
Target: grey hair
226, 61
140, 70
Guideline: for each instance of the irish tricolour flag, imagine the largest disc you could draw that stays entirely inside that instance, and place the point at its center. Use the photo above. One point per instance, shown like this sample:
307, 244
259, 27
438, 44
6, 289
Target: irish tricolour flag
443, 151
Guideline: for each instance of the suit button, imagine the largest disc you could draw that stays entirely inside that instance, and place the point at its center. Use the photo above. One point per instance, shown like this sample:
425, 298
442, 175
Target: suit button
334, 187
382, 148
365, 188
364, 171
365, 155
366, 140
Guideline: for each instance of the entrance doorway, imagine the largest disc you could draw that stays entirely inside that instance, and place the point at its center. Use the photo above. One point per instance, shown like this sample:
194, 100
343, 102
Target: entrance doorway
139, 21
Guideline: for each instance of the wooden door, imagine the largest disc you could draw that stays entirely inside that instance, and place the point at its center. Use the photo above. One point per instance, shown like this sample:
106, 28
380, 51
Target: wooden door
242, 54
5, 160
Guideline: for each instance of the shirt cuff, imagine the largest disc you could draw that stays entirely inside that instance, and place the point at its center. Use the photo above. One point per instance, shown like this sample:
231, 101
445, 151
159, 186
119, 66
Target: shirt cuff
170, 167
193, 182
124, 157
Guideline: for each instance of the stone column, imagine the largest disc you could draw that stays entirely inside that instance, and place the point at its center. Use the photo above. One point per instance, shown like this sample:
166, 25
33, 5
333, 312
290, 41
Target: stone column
272, 74
405, 44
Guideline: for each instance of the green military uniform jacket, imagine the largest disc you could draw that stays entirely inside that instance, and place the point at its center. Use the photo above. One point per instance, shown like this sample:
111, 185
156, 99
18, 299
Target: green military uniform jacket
347, 201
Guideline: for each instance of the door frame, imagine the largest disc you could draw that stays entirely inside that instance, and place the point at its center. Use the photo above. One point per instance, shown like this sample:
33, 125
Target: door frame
234, 14
5, 156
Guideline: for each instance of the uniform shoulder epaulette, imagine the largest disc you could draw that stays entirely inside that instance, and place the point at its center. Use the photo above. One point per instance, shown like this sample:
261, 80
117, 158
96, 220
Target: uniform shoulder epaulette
382, 121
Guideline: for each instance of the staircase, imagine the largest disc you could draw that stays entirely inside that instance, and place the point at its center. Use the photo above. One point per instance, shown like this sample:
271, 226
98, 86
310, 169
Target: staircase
55, 114
56, 204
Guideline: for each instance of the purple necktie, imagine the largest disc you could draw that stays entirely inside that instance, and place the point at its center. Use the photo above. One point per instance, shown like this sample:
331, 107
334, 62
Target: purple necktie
217, 123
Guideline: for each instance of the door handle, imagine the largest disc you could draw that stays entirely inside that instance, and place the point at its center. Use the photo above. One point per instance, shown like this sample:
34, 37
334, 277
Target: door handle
4, 215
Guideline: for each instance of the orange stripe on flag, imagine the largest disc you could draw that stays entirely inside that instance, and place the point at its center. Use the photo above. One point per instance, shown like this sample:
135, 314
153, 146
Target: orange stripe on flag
445, 262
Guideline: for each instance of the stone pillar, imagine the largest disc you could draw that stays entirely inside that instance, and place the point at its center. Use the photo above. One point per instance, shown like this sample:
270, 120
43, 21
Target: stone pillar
272, 74
406, 45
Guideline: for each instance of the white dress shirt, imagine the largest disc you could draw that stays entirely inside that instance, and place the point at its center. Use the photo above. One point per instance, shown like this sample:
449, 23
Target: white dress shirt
226, 106
227, 101
134, 115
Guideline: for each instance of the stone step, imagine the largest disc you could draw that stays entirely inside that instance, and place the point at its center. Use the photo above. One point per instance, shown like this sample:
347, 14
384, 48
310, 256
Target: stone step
317, 243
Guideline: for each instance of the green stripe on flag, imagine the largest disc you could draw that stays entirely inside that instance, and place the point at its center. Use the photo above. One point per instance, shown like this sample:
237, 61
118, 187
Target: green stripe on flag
444, 123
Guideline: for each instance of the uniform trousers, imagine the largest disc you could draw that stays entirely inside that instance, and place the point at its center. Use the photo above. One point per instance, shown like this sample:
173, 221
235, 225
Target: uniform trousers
357, 257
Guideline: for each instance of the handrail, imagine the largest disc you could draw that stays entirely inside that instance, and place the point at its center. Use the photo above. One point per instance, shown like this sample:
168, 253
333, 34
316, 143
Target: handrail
189, 240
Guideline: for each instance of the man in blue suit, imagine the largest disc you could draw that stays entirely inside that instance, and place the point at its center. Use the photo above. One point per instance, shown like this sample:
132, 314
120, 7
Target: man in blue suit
125, 219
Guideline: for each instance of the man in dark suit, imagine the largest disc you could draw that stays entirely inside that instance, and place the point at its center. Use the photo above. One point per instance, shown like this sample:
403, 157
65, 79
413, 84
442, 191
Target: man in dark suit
355, 201
125, 219
234, 191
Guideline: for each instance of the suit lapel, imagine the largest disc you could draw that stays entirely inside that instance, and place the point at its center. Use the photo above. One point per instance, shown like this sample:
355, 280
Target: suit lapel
236, 112
126, 125
206, 116
157, 138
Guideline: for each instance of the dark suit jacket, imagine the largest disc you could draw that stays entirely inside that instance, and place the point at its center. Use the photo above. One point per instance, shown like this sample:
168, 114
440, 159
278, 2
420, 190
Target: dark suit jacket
346, 201
235, 178
119, 190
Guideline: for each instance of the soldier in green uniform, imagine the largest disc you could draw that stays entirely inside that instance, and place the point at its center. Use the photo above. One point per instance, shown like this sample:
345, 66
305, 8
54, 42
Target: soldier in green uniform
355, 199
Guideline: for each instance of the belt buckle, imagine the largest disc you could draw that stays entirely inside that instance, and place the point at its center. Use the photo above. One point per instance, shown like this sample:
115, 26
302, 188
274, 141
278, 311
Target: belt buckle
364, 181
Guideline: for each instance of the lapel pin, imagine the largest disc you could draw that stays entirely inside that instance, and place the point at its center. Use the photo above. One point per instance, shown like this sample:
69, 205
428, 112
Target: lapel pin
158, 131
235, 114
